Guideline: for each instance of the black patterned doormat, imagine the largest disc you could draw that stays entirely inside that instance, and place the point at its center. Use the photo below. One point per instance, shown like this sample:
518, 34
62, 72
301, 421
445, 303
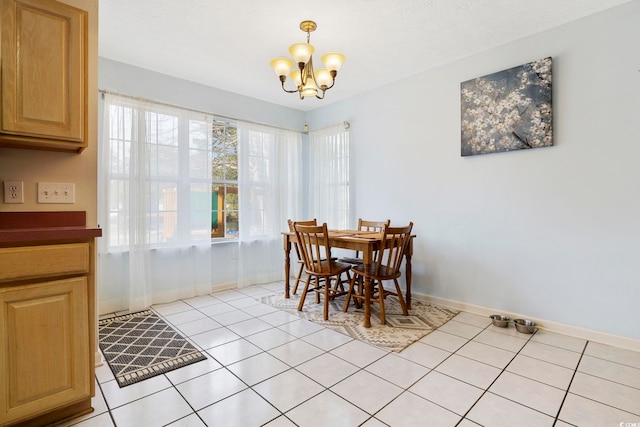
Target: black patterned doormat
141, 345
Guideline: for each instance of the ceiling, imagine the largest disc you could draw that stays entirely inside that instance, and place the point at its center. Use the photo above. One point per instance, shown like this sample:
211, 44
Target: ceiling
229, 44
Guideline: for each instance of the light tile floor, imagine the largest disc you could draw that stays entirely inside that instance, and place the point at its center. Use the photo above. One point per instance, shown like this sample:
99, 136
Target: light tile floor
268, 367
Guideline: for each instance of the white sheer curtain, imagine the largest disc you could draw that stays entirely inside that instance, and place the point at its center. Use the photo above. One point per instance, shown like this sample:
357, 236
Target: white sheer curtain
329, 195
155, 204
270, 192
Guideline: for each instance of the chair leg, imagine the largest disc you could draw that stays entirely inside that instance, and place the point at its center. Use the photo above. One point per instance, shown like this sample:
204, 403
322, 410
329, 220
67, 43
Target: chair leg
383, 317
347, 281
360, 291
342, 281
304, 293
318, 280
400, 298
327, 286
298, 277
348, 299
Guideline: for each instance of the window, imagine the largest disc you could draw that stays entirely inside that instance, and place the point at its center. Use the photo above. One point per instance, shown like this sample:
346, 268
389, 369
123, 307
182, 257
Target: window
173, 176
224, 173
159, 175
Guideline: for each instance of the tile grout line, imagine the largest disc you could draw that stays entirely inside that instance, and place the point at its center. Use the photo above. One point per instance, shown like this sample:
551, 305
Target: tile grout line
569, 385
266, 379
325, 388
406, 390
106, 403
486, 390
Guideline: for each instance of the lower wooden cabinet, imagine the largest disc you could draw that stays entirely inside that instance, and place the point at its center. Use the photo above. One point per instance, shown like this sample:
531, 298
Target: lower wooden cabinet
46, 332
45, 362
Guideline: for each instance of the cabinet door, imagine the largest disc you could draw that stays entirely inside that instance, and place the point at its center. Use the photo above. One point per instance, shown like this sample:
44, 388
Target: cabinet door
44, 353
44, 71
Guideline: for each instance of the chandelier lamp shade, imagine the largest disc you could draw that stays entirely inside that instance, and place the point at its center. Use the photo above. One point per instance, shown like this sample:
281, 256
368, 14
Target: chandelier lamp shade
309, 82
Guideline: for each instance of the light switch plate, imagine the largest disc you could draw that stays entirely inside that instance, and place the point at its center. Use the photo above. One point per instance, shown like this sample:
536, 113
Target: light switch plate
14, 192
56, 192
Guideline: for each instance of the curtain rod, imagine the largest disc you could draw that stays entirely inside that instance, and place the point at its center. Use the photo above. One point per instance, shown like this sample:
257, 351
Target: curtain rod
345, 123
193, 110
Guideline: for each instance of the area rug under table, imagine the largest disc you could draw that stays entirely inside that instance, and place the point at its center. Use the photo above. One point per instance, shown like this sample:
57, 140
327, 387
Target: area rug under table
141, 345
399, 332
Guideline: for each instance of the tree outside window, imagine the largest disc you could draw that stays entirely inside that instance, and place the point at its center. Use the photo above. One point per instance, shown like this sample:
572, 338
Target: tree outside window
224, 189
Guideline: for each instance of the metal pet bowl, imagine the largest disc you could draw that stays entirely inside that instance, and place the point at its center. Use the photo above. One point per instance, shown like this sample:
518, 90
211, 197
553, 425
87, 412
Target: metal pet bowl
525, 326
499, 320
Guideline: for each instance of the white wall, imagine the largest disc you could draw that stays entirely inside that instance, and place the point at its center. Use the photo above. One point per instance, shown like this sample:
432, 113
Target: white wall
552, 233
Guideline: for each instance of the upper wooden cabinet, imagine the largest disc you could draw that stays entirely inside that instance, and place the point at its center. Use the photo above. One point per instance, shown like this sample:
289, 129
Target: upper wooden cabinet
45, 74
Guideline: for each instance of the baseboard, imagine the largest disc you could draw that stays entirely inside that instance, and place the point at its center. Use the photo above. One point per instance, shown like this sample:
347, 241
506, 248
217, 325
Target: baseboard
109, 306
547, 325
116, 305
224, 287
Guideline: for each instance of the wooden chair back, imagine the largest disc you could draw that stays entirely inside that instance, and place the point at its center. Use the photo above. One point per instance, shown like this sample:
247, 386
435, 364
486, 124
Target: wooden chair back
325, 273
313, 241
292, 229
364, 225
394, 243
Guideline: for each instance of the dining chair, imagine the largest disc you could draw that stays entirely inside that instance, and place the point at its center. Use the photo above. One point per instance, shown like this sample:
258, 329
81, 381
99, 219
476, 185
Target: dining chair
385, 267
297, 249
365, 225
326, 273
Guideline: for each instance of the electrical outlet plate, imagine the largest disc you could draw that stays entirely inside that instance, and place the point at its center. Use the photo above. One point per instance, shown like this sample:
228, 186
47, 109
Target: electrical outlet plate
13, 192
56, 192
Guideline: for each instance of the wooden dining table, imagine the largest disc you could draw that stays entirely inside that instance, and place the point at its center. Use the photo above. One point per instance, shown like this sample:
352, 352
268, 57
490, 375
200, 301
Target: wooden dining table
366, 242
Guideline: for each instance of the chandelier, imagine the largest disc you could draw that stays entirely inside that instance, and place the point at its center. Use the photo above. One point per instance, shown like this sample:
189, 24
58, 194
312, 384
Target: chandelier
308, 81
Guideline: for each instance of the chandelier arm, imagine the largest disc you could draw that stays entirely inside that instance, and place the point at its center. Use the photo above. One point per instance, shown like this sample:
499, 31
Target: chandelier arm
282, 80
333, 82
321, 97
334, 74
288, 91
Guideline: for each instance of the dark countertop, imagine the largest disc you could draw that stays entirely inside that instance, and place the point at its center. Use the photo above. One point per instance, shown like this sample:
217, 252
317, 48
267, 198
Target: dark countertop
18, 227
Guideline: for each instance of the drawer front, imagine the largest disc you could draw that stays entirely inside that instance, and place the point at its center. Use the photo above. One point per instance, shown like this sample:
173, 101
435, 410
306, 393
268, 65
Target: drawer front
43, 261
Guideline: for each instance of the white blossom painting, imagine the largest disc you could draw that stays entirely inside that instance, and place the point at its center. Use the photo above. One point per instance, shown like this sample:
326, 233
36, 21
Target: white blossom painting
507, 110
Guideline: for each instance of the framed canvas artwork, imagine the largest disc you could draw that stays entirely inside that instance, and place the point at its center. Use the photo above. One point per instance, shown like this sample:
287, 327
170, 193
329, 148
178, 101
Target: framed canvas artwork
507, 110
